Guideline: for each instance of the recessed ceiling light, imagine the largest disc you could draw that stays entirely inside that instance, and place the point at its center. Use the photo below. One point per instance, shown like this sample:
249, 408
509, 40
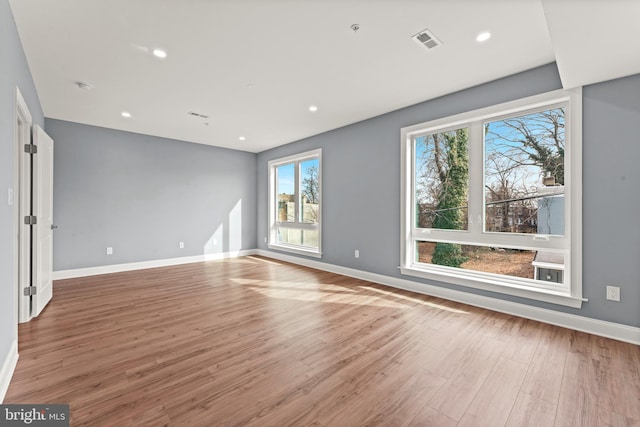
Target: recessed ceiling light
483, 37
126, 114
313, 108
242, 138
159, 53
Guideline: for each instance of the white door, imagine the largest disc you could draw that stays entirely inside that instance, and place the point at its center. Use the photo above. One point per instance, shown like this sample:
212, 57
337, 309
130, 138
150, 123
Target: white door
42, 251
22, 244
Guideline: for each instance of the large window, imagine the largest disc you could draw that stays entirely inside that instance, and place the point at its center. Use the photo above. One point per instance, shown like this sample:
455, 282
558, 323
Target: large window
491, 198
294, 203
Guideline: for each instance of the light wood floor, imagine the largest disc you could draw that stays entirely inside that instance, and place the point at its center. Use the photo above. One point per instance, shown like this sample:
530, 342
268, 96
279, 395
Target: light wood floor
251, 341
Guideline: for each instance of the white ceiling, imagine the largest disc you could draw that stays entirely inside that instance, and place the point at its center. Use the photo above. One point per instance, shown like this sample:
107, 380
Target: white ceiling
255, 66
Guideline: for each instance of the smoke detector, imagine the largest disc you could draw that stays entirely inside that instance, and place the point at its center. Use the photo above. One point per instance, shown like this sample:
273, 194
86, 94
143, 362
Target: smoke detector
83, 85
427, 39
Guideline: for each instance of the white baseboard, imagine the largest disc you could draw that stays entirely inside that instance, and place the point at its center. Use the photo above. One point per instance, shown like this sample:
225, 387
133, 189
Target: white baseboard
6, 371
612, 330
117, 268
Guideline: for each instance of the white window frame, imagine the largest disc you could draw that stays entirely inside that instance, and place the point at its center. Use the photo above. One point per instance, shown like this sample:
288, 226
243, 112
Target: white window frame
570, 244
274, 224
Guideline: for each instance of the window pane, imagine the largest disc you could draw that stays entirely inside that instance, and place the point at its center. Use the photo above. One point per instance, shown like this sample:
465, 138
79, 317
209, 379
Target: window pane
298, 237
285, 190
309, 191
537, 265
524, 173
442, 180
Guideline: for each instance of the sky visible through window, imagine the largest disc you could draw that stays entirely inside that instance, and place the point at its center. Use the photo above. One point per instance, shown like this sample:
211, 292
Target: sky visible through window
521, 150
286, 175
286, 179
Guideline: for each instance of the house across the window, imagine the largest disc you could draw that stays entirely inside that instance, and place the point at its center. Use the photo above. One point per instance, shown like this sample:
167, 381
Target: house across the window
490, 196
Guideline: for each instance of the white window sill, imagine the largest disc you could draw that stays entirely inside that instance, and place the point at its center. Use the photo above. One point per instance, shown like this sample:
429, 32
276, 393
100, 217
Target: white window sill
296, 250
550, 296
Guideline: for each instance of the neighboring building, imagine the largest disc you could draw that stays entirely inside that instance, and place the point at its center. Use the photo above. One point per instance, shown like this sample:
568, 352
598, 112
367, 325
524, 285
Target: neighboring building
286, 207
551, 210
549, 266
511, 217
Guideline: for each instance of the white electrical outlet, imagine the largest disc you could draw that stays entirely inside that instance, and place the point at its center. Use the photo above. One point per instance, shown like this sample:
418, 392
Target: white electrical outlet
265, 240
613, 293
181, 245
109, 250
357, 253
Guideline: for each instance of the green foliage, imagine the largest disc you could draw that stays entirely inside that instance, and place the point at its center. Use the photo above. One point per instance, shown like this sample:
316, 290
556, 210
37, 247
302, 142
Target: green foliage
550, 161
453, 195
448, 254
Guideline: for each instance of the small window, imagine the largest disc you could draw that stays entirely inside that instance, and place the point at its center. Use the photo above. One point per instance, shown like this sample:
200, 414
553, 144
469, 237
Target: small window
295, 200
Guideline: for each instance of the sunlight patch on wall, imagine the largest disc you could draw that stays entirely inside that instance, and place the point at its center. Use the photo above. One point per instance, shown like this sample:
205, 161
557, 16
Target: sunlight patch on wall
215, 243
235, 228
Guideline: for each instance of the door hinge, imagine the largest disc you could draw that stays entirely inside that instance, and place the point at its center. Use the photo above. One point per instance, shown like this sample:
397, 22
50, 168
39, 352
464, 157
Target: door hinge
30, 220
30, 148
30, 290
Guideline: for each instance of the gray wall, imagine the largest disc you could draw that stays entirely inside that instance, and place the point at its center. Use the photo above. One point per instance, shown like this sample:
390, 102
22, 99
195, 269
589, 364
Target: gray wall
14, 71
142, 195
611, 198
361, 186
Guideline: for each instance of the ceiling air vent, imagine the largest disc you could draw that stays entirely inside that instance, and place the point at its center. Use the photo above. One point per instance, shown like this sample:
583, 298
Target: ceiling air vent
194, 114
427, 39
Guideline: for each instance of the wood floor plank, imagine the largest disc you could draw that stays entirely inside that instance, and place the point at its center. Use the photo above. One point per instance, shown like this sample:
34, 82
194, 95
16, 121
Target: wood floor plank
495, 399
429, 417
253, 341
479, 360
544, 378
530, 411
523, 336
592, 389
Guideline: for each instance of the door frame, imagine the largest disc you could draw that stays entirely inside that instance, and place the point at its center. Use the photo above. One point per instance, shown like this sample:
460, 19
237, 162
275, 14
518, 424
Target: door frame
21, 196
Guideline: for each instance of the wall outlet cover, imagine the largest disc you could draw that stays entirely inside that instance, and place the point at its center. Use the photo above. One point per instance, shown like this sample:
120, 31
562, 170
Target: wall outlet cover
613, 293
